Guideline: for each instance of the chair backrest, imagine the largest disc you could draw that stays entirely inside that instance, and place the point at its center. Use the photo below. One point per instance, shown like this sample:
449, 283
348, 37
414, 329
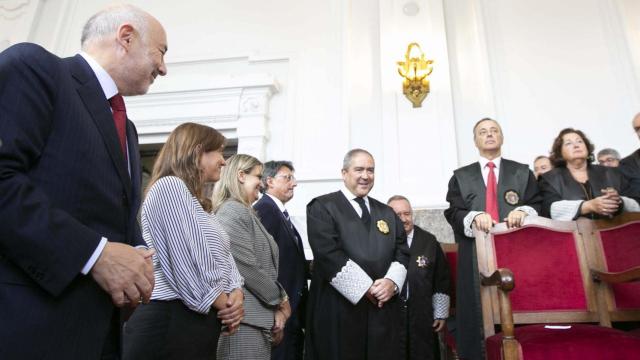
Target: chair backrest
614, 246
451, 252
550, 270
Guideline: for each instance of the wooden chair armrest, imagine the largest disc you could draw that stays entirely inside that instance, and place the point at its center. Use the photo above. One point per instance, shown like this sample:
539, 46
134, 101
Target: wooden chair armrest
501, 278
626, 276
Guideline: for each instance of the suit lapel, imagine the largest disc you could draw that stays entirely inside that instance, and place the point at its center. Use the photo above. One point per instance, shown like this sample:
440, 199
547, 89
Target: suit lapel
134, 162
96, 104
293, 234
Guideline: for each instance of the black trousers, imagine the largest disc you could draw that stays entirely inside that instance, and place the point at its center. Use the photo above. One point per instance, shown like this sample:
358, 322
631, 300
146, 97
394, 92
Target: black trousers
164, 330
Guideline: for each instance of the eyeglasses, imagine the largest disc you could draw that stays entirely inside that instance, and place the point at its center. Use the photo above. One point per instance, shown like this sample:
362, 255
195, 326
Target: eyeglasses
608, 160
288, 177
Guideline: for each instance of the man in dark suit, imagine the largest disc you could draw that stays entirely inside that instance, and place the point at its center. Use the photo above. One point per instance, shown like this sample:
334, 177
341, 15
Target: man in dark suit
360, 261
630, 166
426, 290
481, 194
70, 189
279, 183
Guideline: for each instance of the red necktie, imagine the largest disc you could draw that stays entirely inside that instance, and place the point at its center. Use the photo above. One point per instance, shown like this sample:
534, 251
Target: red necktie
491, 198
120, 119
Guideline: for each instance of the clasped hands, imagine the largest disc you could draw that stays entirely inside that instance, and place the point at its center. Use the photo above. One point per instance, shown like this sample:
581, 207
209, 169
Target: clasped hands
230, 310
282, 314
484, 222
606, 204
381, 291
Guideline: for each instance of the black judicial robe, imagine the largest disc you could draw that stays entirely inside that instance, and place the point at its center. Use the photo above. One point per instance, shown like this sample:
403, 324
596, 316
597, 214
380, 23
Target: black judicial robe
630, 168
558, 184
337, 329
428, 273
467, 193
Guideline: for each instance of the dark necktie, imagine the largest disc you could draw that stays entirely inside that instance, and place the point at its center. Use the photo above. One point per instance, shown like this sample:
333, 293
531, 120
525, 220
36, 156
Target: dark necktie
120, 120
293, 229
366, 217
491, 197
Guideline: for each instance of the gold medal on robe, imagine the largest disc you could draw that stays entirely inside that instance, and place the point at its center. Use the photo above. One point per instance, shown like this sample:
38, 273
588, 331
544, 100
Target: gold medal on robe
383, 227
511, 197
422, 261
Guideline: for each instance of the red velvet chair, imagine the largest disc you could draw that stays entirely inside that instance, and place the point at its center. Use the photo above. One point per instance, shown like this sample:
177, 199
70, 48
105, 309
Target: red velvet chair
446, 339
614, 258
538, 277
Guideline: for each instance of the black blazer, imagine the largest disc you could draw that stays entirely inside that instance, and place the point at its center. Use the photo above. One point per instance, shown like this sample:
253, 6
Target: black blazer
292, 264
64, 185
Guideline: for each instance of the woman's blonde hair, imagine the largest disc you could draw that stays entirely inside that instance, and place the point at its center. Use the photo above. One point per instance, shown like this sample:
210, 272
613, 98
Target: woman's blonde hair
229, 186
180, 156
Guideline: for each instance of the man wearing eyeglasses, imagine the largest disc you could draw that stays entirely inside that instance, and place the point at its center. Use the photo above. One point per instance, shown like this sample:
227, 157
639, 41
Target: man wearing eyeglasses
278, 184
630, 166
608, 157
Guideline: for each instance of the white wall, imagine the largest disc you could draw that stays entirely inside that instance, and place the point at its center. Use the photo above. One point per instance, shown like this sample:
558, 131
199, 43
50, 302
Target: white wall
535, 66
538, 67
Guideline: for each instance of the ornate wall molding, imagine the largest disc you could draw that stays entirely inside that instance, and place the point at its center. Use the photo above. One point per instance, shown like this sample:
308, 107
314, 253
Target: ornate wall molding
236, 106
16, 20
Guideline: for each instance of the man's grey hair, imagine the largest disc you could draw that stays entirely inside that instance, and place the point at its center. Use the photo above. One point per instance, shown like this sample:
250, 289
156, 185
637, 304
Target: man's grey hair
485, 119
398, 198
107, 21
271, 168
346, 162
609, 151
541, 157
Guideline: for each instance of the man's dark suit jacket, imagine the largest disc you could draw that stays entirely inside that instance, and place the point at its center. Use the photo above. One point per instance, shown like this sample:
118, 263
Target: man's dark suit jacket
292, 275
64, 184
425, 278
630, 168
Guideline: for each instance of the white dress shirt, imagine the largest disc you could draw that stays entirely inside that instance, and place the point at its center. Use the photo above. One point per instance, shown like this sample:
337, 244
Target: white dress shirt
349, 195
109, 88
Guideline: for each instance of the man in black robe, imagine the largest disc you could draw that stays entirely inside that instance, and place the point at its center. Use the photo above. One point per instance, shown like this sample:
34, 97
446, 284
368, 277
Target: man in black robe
360, 259
513, 196
630, 166
426, 291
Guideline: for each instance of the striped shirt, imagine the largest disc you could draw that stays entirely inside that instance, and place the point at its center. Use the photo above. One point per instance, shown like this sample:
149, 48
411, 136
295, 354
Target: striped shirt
193, 261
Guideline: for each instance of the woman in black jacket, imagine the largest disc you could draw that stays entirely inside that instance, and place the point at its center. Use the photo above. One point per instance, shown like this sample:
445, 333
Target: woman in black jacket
575, 187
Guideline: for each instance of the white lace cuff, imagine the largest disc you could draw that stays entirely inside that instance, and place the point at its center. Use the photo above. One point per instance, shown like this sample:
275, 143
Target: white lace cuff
630, 205
352, 282
468, 221
527, 209
396, 273
565, 210
440, 306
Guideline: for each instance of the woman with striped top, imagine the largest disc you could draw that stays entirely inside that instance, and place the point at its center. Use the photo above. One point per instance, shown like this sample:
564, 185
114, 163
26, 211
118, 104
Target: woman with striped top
256, 254
198, 288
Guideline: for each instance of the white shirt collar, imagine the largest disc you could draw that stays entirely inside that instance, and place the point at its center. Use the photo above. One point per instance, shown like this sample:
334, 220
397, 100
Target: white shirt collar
106, 82
484, 161
278, 202
410, 237
349, 195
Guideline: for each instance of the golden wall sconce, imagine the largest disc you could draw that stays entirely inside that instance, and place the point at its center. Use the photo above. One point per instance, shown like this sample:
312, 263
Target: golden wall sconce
415, 70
